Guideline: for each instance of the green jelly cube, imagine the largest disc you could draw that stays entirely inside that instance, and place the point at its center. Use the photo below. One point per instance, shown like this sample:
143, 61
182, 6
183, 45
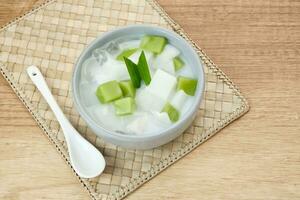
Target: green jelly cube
178, 63
153, 43
109, 91
124, 106
127, 88
188, 85
126, 53
145, 40
172, 112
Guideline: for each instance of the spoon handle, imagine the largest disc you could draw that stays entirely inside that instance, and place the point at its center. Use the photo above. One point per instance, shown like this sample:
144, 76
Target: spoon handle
86, 160
39, 81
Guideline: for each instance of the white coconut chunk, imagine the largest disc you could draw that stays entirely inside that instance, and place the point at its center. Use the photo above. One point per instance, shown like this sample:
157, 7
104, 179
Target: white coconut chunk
179, 99
162, 84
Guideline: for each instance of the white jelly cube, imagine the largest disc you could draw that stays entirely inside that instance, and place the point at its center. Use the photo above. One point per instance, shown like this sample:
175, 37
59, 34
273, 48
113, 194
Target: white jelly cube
186, 71
162, 84
149, 57
179, 99
135, 57
145, 100
166, 58
168, 67
169, 52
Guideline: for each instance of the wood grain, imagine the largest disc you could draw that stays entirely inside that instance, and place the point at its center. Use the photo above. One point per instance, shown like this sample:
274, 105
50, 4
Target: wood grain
257, 44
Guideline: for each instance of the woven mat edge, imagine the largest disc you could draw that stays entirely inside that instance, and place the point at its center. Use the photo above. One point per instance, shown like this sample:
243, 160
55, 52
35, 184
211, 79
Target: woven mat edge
163, 164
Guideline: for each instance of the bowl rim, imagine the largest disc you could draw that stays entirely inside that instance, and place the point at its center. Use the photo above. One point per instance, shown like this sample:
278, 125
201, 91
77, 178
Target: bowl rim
189, 113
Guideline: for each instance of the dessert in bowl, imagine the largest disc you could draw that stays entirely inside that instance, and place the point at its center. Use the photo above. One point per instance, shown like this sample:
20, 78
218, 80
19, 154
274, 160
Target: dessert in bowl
138, 86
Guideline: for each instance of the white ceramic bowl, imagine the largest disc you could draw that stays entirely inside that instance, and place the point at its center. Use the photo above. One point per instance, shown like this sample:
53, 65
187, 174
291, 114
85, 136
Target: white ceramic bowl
142, 141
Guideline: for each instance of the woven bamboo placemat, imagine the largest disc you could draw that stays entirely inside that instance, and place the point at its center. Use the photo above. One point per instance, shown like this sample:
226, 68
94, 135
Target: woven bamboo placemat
53, 35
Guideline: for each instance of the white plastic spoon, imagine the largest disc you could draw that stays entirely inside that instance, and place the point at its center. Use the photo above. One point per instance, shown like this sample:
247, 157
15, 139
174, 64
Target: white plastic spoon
86, 160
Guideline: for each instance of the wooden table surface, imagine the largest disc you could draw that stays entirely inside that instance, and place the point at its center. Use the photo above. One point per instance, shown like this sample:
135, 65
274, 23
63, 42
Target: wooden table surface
257, 43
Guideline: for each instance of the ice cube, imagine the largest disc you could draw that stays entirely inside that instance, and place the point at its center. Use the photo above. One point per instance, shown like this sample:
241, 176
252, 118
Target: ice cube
115, 70
179, 99
145, 100
87, 93
113, 48
100, 55
162, 84
89, 68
